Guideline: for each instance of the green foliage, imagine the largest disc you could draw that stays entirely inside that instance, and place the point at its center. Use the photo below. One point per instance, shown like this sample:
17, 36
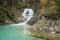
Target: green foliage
50, 8
41, 23
11, 9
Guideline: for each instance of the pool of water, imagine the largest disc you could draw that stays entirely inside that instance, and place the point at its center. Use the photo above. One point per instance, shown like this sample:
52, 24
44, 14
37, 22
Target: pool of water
13, 32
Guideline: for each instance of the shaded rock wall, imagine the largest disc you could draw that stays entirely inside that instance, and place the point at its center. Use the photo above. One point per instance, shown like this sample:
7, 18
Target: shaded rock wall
48, 9
12, 9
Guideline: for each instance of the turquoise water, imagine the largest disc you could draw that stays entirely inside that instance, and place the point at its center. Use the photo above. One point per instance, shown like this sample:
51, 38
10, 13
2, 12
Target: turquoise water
14, 32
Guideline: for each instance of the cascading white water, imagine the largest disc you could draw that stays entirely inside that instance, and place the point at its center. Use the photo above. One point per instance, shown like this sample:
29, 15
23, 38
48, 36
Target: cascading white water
28, 14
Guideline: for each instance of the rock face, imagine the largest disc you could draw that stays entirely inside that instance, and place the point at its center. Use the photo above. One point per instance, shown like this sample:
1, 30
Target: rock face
11, 10
48, 9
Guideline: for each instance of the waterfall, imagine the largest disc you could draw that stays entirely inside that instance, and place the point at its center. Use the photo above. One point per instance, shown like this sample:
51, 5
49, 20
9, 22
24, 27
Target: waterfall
28, 14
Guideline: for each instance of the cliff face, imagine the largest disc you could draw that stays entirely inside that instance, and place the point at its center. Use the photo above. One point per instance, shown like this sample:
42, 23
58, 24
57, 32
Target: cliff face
49, 9
11, 10
46, 21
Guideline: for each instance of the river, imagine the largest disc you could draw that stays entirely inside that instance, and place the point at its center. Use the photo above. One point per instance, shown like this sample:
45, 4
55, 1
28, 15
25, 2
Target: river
15, 32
